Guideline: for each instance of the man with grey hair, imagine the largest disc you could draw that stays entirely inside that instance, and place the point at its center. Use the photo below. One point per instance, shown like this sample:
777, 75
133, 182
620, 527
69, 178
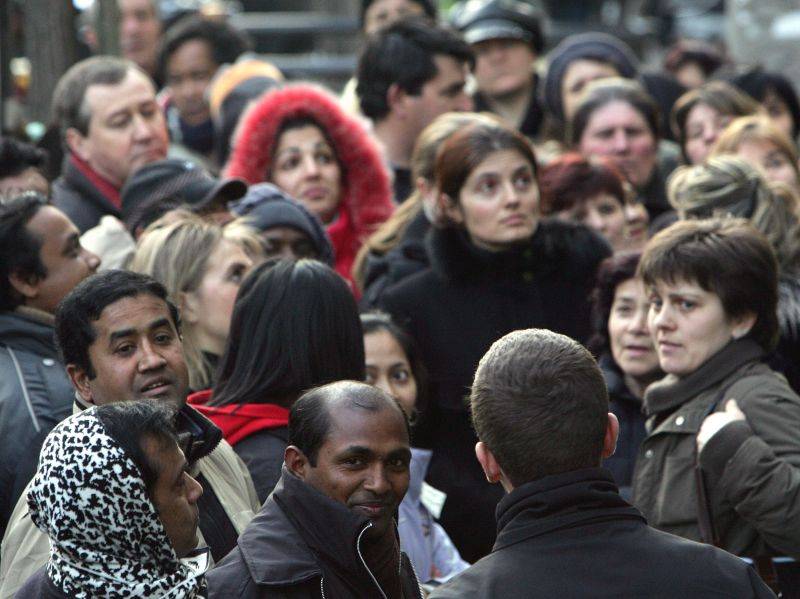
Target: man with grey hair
110, 125
540, 408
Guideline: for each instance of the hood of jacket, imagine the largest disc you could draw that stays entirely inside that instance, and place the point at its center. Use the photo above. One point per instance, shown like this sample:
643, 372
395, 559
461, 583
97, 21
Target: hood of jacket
29, 330
560, 501
454, 257
366, 189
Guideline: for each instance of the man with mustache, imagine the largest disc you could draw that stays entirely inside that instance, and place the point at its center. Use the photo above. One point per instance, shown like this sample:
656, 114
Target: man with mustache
119, 338
328, 527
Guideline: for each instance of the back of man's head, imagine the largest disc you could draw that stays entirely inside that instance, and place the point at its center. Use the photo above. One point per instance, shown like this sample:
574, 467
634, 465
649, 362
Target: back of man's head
68, 107
403, 54
74, 329
540, 405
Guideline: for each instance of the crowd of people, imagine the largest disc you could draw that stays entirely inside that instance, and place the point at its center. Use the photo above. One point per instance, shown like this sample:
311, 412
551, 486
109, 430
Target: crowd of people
261, 340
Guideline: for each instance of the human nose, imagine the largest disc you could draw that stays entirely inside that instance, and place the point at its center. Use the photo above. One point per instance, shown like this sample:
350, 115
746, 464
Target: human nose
194, 490
661, 319
382, 383
377, 482
594, 221
151, 358
638, 324
464, 102
92, 260
142, 128
310, 167
621, 142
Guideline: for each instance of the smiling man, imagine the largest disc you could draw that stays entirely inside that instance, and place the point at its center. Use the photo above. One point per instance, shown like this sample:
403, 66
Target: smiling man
119, 339
328, 528
111, 125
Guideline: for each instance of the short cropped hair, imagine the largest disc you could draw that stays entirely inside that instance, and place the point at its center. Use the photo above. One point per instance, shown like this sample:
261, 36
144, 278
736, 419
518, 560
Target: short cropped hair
310, 418
83, 306
69, 107
130, 423
225, 42
19, 248
403, 54
539, 403
17, 156
725, 256
573, 179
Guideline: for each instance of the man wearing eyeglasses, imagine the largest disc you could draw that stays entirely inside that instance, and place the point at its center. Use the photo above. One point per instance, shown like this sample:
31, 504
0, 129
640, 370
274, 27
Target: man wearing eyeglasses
119, 337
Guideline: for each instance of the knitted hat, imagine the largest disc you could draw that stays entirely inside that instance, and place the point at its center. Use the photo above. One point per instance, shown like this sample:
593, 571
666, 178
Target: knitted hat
592, 46
266, 206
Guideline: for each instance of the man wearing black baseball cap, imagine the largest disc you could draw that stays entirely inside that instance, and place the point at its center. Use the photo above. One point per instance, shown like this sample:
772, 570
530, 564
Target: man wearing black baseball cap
507, 38
166, 184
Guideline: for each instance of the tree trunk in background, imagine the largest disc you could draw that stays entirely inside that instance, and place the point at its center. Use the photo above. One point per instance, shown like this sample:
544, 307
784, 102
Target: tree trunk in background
50, 46
107, 27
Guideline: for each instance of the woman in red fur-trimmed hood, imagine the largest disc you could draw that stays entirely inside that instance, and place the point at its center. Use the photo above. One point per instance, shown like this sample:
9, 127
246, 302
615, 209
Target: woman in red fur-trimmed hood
299, 138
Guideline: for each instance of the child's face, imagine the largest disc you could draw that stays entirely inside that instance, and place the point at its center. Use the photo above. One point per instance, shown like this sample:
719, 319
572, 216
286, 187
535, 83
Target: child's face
389, 370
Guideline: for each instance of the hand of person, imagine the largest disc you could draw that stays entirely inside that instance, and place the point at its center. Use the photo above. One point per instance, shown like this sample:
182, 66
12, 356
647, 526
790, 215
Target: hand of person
716, 421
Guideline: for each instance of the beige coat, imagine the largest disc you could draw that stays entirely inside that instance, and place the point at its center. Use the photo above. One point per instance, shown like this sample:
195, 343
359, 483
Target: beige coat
25, 548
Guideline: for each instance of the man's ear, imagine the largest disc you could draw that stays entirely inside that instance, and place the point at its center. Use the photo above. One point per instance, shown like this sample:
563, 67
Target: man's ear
76, 142
610, 439
488, 462
296, 461
396, 98
26, 286
80, 380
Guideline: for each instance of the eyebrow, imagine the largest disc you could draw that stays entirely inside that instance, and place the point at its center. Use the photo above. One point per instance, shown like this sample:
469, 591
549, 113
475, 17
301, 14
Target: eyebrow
156, 324
71, 242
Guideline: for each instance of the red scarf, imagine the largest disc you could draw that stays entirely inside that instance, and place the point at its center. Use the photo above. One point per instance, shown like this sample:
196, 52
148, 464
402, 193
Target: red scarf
238, 421
105, 188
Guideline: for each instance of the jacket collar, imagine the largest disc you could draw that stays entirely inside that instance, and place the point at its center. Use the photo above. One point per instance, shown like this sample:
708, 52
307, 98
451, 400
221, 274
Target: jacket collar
671, 392
29, 330
420, 458
558, 501
84, 177
615, 381
298, 533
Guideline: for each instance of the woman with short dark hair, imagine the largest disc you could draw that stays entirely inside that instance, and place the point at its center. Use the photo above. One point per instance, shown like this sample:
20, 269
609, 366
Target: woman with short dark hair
495, 267
295, 326
713, 287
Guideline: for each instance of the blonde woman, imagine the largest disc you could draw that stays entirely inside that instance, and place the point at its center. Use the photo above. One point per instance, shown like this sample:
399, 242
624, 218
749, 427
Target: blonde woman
727, 185
202, 265
759, 141
397, 249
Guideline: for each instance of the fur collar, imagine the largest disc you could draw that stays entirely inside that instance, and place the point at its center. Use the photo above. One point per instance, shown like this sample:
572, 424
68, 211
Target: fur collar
555, 245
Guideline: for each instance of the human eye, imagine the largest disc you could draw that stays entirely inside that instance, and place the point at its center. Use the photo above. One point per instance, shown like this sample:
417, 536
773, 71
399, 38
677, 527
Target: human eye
401, 375
371, 378
354, 462
486, 185
607, 209
289, 163
124, 349
655, 302
523, 180
163, 338
325, 156
623, 309
237, 274
686, 305
398, 463
604, 133
119, 121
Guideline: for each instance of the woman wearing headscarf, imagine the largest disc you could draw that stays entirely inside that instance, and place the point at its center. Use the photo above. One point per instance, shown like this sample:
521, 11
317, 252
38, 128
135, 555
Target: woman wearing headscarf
119, 527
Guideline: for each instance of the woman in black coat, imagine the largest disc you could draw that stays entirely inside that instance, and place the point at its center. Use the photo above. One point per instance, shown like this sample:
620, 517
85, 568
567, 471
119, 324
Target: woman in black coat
495, 267
626, 355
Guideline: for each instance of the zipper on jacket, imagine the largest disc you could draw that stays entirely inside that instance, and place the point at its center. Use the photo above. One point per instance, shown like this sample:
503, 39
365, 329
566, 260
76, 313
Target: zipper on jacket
361, 557
322, 586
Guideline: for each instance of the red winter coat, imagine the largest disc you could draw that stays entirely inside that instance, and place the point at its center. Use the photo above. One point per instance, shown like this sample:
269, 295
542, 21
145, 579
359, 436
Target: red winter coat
366, 189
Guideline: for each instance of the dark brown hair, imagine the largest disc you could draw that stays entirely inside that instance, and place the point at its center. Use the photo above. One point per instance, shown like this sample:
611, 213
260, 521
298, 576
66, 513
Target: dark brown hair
466, 149
725, 256
572, 179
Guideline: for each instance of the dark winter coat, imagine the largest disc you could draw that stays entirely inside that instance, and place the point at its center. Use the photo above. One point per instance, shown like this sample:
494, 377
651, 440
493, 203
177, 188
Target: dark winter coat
751, 469
80, 199
263, 453
35, 395
366, 190
455, 310
628, 410
405, 259
302, 544
572, 536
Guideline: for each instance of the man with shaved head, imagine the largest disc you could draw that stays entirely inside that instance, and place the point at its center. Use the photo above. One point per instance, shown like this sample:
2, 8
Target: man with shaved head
328, 528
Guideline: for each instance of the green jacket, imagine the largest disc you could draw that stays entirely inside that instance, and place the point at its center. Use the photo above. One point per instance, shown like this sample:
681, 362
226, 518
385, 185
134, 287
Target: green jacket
751, 469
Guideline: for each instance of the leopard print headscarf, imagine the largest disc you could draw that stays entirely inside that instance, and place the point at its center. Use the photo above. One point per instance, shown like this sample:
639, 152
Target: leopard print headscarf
106, 538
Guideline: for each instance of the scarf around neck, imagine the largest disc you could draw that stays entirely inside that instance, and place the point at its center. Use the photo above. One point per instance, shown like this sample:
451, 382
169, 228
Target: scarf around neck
106, 537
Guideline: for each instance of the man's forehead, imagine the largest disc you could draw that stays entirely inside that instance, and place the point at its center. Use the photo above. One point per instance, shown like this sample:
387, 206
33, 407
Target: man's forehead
132, 312
109, 97
352, 425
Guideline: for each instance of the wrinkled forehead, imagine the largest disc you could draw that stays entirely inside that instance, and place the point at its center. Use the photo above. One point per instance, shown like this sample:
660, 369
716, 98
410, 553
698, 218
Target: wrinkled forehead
136, 314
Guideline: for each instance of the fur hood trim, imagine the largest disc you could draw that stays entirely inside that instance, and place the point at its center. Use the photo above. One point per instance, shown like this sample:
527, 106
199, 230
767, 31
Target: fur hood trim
366, 189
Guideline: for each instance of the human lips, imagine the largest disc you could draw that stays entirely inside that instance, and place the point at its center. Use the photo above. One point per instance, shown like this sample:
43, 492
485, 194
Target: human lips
156, 387
373, 509
315, 193
634, 350
515, 220
667, 347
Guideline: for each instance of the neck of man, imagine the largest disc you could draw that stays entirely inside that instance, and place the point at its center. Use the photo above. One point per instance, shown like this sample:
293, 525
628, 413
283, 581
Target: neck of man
512, 107
382, 555
395, 139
